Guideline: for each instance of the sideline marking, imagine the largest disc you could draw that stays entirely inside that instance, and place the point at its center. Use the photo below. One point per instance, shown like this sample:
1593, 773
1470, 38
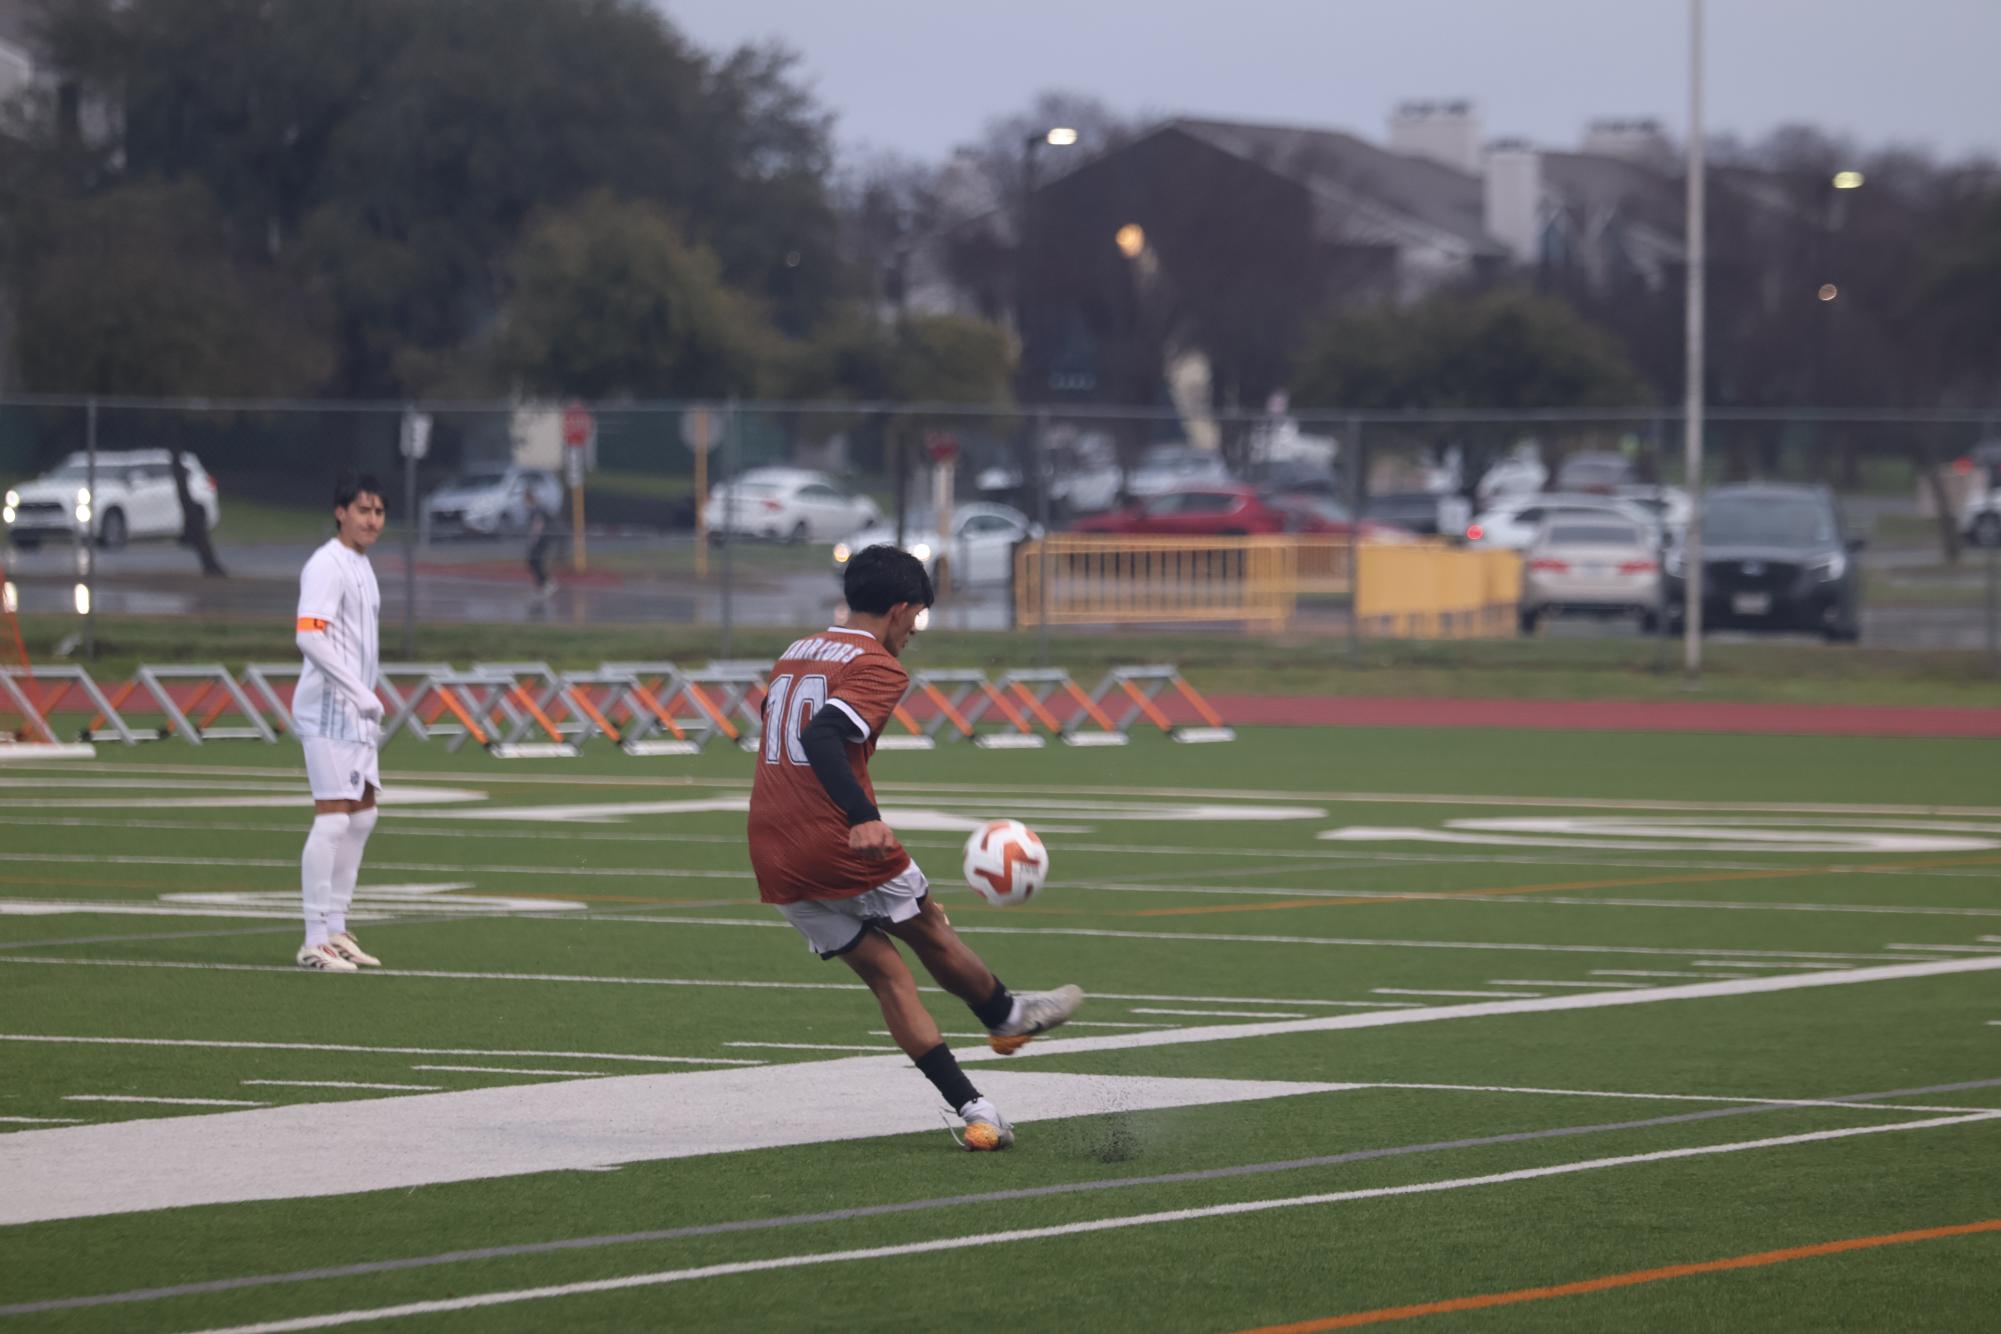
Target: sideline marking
1632, 1278
602, 1240
1427, 991
504, 1298
340, 1084
43, 1120
1221, 1014
1545, 982
346, 1046
514, 1070
1675, 1097
177, 1102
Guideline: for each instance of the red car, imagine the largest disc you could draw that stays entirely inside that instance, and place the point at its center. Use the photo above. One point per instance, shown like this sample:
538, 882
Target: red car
1218, 509
1231, 509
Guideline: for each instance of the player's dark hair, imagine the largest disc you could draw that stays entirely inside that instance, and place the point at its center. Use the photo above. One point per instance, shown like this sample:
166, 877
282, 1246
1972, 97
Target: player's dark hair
351, 484
881, 576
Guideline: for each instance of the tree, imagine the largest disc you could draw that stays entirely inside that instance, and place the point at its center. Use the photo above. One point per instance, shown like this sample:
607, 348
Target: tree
1502, 350
134, 292
609, 300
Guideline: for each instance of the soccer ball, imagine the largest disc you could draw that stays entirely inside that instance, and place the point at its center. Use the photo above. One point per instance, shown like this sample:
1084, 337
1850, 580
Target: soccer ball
1005, 862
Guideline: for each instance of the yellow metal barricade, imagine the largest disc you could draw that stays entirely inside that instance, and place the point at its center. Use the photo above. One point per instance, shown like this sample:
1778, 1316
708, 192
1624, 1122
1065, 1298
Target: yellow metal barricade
1156, 580
1412, 592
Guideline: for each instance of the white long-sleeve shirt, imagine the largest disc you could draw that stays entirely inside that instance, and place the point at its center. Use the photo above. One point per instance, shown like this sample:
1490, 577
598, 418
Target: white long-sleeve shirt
340, 613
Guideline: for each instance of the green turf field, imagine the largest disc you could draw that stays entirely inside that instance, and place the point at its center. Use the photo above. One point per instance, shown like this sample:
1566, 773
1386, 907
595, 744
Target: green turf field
1466, 1030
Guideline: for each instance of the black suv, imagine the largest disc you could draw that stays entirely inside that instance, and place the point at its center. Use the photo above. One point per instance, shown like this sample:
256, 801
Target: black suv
1773, 558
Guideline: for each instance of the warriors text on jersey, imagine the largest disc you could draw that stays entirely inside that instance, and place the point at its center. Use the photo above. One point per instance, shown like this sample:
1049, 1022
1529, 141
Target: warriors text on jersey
798, 837
339, 597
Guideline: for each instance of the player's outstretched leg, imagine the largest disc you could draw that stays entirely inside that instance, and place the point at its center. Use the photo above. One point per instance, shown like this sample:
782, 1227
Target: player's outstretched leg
1010, 1018
875, 960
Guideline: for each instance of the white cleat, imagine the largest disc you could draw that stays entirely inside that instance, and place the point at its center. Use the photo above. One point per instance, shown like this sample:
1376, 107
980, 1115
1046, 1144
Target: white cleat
347, 947
322, 959
986, 1129
1040, 1011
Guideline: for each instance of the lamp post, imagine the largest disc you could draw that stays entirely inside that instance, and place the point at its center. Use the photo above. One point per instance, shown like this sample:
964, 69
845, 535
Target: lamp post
1692, 369
1060, 136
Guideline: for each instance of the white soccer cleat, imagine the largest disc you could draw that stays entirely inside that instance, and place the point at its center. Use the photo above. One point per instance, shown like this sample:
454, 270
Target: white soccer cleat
1039, 1012
986, 1129
322, 959
348, 948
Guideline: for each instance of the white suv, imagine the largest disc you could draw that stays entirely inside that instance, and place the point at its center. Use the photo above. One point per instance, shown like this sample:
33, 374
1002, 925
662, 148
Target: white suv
134, 497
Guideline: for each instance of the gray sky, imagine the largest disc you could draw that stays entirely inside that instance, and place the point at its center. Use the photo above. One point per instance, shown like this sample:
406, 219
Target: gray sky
920, 76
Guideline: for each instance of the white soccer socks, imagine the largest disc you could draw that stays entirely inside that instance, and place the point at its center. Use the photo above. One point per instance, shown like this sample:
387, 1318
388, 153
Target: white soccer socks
316, 873
347, 865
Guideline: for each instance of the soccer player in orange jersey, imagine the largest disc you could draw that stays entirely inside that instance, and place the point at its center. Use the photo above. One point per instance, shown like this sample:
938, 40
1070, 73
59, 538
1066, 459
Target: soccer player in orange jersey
826, 860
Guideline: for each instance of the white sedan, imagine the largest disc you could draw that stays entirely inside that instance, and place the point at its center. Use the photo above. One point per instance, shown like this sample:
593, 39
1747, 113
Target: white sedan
1514, 522
786, 504
980, 551
135, 498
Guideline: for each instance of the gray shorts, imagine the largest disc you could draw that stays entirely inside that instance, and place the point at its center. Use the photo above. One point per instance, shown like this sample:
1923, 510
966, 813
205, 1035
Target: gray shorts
834, 926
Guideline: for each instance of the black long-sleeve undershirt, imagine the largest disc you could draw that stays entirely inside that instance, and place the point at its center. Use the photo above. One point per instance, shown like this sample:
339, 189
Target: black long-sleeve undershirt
826, 741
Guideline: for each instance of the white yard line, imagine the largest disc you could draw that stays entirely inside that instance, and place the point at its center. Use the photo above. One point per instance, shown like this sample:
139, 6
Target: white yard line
176, 1102
221, 1044
1647, 972
1545, 982
1679, 1097
811, 1046
340, 1084
1749, 963
1747, 986
1947, 949
455, 868
42, 1120
513, 1070
503, 1298
1426, 991
1225, 1014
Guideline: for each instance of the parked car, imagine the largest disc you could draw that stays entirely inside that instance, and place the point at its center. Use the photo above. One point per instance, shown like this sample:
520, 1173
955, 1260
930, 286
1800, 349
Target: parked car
1668, 504
1981, 520
1297, 477
1515, 522
134, 498
786, 504
1593, 471
1521, 473
1425, 513
1164, 467
980, 551
491, 501
1774, 557
1322, 517
1231, 509
1592, 564
1082, 474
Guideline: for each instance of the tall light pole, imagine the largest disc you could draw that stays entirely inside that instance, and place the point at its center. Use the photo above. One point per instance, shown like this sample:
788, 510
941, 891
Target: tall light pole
1692, 404
1061, 136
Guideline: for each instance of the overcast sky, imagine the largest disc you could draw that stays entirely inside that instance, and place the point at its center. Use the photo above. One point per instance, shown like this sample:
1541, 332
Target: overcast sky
921, 76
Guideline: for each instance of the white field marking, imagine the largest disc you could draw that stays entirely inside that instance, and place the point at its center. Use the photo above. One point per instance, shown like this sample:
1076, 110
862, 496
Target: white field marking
298, 799
516, 1070
108, 784
1594, 1000
1681, 1097
508, 1130
1660, 839
1222, 1014
219, 1044
1753, 963
176, 1102
371, 903
1424, 991
1724, 905
1646, 972
120, 908
1198, 937
554, 777
337, 1084
812, 1046
898, 817
1545, 982
42, 1120
1118, 1222
450, 868
1955, 949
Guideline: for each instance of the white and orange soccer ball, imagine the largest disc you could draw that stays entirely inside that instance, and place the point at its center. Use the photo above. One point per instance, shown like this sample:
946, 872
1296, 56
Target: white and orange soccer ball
1005, 862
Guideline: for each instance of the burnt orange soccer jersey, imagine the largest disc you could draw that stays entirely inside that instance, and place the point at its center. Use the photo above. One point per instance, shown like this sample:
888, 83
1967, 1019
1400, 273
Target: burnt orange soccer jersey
798, 837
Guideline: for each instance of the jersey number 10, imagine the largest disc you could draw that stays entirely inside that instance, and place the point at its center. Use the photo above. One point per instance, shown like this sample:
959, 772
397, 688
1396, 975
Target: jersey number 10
788, 706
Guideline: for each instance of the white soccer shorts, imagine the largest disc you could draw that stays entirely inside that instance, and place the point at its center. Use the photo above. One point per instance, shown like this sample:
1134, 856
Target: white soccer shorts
340, 770
832, 927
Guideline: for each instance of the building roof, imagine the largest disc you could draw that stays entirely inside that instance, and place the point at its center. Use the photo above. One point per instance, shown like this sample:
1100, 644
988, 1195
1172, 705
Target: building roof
1373, 187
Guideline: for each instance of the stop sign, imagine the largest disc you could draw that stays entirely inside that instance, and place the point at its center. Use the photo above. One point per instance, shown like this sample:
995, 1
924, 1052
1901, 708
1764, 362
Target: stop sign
577, 426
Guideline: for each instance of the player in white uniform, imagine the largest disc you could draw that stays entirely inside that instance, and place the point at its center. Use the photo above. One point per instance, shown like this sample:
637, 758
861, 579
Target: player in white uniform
337, 717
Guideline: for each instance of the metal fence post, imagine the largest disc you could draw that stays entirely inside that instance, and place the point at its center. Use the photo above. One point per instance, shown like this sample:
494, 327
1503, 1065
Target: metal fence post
88, 556
1038, 457
729, 543
1358, 487
1994, 608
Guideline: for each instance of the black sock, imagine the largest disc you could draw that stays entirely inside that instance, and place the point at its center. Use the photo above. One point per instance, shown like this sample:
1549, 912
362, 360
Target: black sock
995, 1009
941, 1067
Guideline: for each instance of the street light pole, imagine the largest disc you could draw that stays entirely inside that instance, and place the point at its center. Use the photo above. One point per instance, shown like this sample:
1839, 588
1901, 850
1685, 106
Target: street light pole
1693, 355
